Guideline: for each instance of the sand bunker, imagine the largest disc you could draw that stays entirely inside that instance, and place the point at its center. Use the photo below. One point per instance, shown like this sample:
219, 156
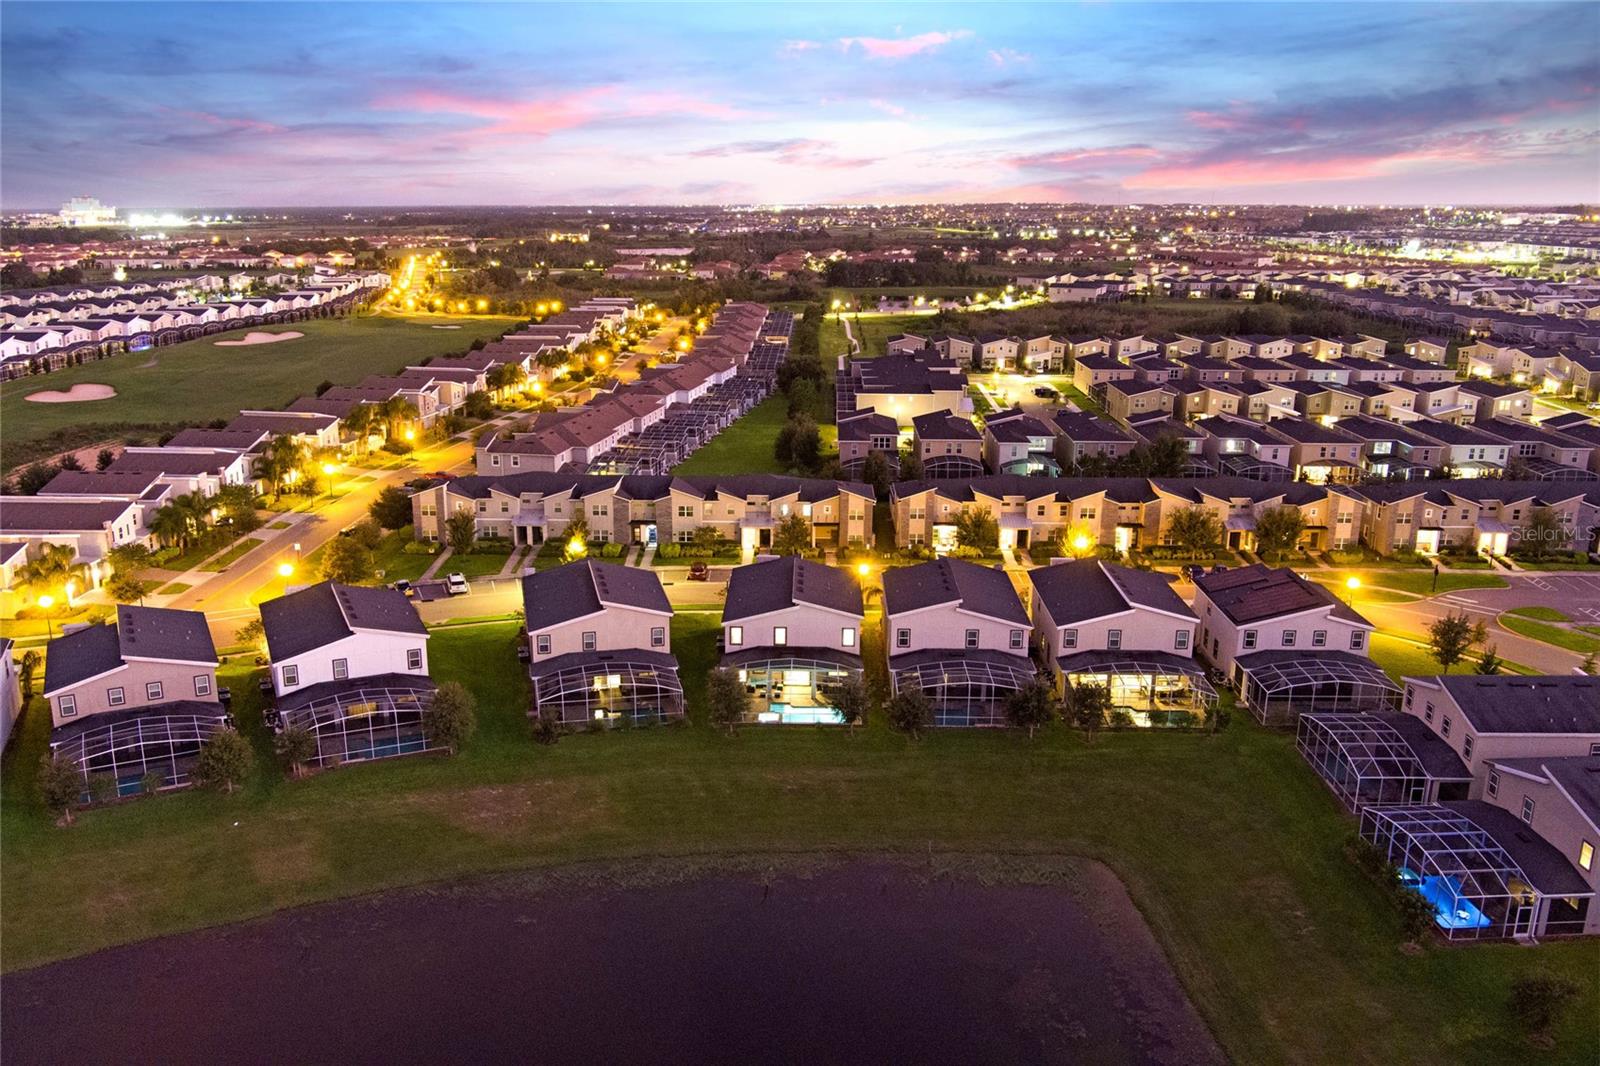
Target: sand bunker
446, 327
254, 337
76, 394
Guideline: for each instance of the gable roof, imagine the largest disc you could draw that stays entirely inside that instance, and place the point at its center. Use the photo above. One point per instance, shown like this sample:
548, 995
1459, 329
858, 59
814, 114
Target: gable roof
324, 613
1257, 592
778, 584
1509, 703
971, 587
140, 633
550, 597
1088, 588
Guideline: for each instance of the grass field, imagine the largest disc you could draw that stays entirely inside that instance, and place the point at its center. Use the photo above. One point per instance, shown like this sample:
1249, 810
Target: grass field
746, 446
1415, 582
197, 381
1229, 845
1559, 636
1540, 614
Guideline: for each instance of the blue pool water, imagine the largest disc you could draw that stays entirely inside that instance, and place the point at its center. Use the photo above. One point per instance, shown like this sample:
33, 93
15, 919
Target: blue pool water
787, 715
1450, 910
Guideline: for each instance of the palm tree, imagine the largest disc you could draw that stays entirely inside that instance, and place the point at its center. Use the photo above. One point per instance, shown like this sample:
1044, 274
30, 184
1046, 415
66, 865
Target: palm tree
196, 507
360, 422
170, 525
395, 412
514, 375
56, 565
284, 456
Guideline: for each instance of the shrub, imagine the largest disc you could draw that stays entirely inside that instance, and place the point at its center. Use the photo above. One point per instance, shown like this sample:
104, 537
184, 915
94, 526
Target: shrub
670, 551
451, 716
102, 787
60, 787
224, 762
610, 550
1538, 1000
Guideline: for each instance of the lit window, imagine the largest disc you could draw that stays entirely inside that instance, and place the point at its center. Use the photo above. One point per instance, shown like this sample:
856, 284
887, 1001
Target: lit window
735, 636
847, 637
1585, 855
115, 697
780, 635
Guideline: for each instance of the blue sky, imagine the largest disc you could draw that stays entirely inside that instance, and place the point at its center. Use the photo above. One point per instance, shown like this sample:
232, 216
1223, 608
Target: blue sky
174, 105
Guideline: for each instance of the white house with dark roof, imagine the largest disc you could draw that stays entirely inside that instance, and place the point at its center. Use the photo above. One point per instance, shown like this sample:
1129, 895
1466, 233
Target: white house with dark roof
1287, 644
136, 700
959, 632
1099, 623
792, 629
599, 644
1558, 799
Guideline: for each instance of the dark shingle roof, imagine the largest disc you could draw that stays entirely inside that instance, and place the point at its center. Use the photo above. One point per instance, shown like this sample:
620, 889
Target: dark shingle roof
1088, 588
317, 616
973, 588
1257, 592
551, 597
762, 588
140, 633
1513, 704
1577, 775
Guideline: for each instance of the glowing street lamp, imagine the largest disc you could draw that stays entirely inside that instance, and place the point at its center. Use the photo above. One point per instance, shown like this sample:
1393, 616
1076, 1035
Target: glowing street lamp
1080, 543
411, 434
45, 603
285, 569
864, 570
1351, 584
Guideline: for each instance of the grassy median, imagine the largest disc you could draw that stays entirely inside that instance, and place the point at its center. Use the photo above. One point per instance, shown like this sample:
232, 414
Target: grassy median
1231, 847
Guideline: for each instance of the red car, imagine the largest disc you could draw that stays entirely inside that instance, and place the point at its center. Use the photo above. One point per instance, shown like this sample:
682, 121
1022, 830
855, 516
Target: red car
699, 571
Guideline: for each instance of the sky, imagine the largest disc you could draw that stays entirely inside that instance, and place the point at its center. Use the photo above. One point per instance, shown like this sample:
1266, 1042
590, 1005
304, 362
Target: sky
297, 104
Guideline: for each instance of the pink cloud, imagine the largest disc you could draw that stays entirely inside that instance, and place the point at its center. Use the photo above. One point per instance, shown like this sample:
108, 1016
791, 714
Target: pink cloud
902, 47
546, 115
1303, 167
1218, 120
224, 123
1079, 155
887, 108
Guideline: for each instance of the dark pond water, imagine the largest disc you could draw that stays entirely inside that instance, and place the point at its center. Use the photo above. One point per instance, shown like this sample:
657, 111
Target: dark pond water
866, 961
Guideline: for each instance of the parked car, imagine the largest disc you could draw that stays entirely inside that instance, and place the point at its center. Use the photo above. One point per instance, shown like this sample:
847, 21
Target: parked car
1193, 570
1219, 568
404, 586
1045, 392
456, 584
699, 571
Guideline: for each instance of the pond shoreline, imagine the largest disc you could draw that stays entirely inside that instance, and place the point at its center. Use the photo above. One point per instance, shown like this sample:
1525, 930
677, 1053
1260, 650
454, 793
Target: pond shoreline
947, 958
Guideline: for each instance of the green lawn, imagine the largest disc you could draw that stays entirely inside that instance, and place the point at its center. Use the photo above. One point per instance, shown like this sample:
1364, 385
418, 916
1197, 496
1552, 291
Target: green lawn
1570, 639
1540, 614
1416, 582
232, 555
483, 562
396, 564
196, 381
745, 447
1232, 849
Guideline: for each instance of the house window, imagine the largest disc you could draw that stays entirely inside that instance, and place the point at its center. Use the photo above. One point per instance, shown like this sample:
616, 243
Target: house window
1427, 712
116, 697
902, 638
589, 643
1016, 639
1113, 640
152, 690
1249, 638
1288, 638
341, 669
1594, 749
67, 705
847, 637
1527, 809
1069, 638
735, 636
1180, 640
780, 635
202, 684
291, 676
413, 658
658, 637
1444, 727
972, 638
1466, 747
542, 643
1585, 856
1319, 638
1357, 639
1492, 786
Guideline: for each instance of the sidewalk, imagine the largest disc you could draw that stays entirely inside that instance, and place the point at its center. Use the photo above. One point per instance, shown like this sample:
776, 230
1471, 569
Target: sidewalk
433, 567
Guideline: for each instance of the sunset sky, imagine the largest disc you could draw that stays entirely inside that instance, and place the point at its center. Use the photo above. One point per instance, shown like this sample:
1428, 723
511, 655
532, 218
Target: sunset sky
192, 105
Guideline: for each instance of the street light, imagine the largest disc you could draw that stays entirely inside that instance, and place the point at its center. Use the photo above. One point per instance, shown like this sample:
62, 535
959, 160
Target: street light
45, 603
1351, 584
285, 569
1080, 543
864, 570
